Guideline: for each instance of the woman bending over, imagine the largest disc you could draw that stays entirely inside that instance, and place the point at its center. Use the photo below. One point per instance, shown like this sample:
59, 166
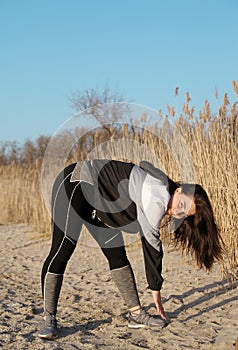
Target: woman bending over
109, 197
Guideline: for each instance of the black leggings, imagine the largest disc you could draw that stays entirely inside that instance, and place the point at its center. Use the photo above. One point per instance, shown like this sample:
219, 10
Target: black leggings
70, 210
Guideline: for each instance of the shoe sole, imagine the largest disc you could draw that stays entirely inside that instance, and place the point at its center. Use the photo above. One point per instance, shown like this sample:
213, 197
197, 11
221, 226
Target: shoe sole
48, 336
137, 326
145, 326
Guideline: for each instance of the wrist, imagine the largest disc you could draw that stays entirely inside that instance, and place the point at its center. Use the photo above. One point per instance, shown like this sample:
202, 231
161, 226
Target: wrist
156, 296
155, 292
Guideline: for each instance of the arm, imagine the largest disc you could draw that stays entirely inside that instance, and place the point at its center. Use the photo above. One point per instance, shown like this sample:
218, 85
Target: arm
153, 268
157, 300
153, 264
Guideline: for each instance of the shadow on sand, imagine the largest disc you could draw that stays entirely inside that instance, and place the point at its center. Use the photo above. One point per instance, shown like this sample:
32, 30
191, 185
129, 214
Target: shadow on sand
86, 328
209, 292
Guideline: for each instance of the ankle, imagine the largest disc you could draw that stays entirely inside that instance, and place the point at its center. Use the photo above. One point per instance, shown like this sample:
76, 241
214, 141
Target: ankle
47, 314
135, 310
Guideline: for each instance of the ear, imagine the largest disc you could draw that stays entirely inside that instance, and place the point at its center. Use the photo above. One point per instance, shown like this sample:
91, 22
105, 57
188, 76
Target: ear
178, 190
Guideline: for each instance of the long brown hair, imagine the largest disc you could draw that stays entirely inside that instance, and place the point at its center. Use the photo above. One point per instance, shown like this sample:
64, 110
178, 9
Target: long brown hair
198, 234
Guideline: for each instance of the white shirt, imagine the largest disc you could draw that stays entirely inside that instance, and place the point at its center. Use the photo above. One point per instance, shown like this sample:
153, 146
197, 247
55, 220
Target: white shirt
151, 196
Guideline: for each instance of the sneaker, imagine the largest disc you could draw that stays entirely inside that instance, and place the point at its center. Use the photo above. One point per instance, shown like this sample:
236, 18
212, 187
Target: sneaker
143, 319
49, 329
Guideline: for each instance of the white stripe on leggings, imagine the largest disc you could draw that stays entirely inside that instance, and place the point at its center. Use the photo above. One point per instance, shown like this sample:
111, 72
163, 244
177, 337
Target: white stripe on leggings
67, 218
65, 236
57, 192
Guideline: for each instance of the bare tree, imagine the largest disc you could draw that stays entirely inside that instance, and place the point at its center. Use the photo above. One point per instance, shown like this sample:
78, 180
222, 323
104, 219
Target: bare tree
41, 145
106, 107
9, 152
29, 152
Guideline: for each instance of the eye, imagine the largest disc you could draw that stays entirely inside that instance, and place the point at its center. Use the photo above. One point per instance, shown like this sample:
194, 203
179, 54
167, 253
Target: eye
181, 205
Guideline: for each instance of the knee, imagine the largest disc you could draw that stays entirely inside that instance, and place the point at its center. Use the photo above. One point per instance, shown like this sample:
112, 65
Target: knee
119, 263
60, 259
116, 257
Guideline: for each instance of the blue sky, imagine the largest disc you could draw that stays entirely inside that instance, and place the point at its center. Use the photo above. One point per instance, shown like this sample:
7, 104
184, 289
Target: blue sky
144, 49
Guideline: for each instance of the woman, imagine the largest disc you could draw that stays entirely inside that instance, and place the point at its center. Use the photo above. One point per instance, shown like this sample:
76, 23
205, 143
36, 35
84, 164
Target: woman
108, 197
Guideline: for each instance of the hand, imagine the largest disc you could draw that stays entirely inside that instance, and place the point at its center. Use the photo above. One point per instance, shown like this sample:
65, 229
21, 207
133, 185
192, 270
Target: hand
158, 303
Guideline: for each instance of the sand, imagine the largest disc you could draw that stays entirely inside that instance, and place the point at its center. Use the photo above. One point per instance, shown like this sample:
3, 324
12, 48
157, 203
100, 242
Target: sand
91, 314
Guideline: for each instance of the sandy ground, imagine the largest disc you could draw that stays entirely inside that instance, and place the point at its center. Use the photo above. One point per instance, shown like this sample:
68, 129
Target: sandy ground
91, 315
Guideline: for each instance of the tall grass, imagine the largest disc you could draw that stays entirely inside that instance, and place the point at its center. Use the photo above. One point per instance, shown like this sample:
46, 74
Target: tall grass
21, 199
213, 145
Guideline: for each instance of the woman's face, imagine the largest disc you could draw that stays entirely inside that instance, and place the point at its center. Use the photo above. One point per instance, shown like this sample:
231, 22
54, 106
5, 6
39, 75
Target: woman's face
182, 205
